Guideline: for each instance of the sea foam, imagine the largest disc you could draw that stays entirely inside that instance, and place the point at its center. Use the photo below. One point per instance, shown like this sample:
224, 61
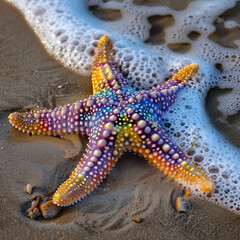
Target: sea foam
69, 31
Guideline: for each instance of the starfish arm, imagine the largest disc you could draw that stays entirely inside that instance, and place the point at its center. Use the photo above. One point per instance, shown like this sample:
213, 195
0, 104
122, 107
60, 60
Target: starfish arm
151, 142
59, 121
165, 95
99, 159
106, 73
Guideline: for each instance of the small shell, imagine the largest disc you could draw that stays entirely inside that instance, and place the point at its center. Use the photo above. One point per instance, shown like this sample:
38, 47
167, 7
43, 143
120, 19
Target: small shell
28, 188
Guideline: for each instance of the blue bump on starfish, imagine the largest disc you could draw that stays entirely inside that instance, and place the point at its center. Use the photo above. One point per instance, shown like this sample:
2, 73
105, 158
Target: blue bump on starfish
116, 118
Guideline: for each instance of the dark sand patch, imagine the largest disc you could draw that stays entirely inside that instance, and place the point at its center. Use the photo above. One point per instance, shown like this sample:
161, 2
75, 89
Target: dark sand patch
229, 127
134, 188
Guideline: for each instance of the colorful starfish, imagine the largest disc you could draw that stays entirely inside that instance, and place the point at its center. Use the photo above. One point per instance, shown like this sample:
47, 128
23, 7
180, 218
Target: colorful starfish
117, 118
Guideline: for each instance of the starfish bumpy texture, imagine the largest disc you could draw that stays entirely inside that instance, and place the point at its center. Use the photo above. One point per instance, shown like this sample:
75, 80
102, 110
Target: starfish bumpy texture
117, 118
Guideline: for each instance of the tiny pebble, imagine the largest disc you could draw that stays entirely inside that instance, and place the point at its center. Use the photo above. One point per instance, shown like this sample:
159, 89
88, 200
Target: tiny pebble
177, 134
137, 220
33, 203
182, 205
2, 148
35, 213
187, 192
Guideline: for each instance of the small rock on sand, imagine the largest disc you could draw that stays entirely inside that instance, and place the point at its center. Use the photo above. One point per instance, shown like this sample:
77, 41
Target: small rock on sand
49, 210
35, 213
182, 205
137, 220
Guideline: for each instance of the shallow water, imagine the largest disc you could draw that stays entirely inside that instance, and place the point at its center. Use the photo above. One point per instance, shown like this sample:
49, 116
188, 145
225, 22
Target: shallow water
152, 41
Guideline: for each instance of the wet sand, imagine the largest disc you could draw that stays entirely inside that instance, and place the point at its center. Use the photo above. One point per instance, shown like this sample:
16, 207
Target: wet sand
134, 187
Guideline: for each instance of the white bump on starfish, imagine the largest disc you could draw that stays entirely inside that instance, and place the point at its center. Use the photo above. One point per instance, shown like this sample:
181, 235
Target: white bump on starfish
97, 153
113, 118
155, 137
89, 103
109, 126
93, 159
106, 133
116, 111
165, 147
141, 123
135, 116
86, 169
77, 105
90, 164
175, 156
102, 142
164, 92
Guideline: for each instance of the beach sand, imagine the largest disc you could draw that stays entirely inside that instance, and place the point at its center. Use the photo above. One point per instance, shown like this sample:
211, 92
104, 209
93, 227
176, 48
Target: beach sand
134, 188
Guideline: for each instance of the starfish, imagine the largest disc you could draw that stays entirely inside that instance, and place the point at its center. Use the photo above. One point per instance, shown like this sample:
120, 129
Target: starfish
116, 118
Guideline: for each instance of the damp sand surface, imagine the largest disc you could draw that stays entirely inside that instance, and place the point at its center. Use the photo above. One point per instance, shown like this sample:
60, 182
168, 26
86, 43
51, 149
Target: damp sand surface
133, 189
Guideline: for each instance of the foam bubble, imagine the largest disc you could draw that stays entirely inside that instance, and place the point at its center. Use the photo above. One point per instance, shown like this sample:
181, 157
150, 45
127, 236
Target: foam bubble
231, 24
70, 33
